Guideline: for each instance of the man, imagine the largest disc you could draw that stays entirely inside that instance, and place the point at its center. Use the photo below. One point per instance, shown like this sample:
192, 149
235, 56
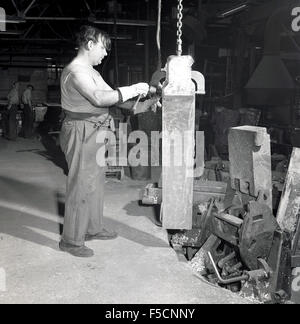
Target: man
12, 108
85, 101
28, 111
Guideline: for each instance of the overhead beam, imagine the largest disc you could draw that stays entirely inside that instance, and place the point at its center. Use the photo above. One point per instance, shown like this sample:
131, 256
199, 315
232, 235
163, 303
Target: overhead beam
11, 32
68, 25
124, 22
32, 26
14, 4
125, 38
52, 18
87, 5
29, 7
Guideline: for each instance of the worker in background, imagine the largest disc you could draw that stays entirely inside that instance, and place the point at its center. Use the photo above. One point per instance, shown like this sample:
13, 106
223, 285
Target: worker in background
85, 99
12, 109
28, 111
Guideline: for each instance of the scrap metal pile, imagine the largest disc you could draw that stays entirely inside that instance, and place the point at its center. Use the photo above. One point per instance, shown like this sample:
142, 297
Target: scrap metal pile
236, 241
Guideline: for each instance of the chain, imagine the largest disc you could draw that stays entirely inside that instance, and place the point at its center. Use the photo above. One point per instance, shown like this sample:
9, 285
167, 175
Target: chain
179, 27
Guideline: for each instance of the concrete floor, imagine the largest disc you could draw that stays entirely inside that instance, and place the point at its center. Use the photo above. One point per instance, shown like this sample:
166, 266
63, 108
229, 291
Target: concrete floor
138, 267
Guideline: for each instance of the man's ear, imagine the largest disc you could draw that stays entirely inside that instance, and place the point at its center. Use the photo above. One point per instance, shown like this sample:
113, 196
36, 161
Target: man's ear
89, 45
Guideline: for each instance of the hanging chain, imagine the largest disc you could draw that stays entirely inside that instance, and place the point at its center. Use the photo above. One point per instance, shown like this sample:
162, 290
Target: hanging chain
179, 27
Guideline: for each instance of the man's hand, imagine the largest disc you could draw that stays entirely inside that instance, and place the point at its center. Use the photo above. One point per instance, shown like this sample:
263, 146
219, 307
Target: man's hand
138, 89
141, 89
147, 105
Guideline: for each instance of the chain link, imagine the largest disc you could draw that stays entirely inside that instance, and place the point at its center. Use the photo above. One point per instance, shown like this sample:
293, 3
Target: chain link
179, 27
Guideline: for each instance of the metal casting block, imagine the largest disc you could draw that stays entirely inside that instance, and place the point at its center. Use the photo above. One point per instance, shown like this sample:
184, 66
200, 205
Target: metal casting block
250, 162
178, 99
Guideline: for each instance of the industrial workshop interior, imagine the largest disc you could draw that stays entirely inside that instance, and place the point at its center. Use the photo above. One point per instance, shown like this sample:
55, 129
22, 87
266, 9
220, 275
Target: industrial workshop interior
150, 152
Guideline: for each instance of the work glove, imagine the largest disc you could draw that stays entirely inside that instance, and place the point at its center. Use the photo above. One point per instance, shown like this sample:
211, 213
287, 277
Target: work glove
134, 91
148, 105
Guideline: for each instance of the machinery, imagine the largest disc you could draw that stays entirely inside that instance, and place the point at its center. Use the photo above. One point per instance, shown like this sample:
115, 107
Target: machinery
240, 242
229, 226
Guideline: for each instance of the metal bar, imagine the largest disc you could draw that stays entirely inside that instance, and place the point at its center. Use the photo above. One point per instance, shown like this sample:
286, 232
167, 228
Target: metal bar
116, 74
29, 7
124, 22
87, 5
34, 39
141, 23
223, 261
28, 30
14, 4
53, 18
68, 26
32, 26
24, 66
48, 39
11, 32
225, 281
147, 46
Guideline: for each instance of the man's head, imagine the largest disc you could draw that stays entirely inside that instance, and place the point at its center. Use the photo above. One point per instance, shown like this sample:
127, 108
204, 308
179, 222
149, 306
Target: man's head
94, 42
16, 85
30, 86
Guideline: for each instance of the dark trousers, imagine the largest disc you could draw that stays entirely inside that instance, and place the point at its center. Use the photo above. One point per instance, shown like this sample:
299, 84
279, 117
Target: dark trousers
85, 184
28, 122
11, 123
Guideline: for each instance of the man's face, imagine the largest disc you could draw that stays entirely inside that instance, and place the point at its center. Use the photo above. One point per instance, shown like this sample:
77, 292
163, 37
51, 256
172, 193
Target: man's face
97, 52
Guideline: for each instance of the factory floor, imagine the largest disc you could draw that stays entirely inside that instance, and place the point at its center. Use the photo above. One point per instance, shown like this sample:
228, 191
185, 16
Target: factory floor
138, 267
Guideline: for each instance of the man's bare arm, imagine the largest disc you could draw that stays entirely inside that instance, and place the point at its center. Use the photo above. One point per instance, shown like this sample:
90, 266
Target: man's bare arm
88, 89
108, 97
141, 107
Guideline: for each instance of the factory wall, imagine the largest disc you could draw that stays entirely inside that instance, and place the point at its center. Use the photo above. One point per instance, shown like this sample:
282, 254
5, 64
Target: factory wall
42, 74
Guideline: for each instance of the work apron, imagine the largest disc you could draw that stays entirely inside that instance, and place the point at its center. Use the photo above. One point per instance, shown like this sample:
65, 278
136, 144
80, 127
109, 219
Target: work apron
86, 180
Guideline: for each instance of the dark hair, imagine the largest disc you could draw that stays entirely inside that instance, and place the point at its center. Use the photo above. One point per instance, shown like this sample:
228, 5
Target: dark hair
30, 86
90, 33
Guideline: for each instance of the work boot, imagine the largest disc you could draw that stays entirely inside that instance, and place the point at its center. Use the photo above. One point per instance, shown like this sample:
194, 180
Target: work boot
103, 235
77, 251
